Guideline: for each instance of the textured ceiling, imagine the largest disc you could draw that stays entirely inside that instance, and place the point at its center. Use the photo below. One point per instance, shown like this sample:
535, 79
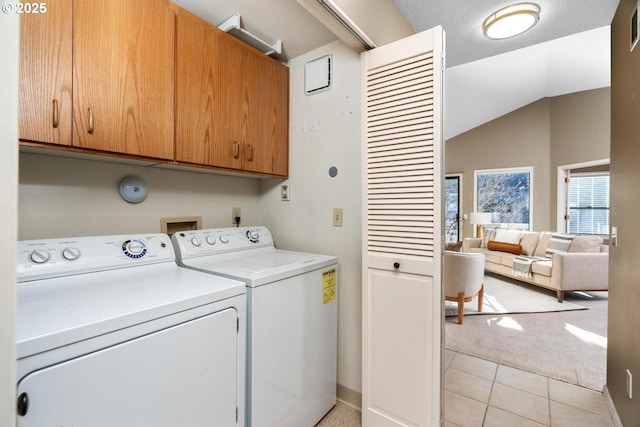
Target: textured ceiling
462, 23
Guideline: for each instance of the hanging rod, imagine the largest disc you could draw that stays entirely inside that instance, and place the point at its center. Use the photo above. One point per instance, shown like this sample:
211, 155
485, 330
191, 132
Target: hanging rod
233, 26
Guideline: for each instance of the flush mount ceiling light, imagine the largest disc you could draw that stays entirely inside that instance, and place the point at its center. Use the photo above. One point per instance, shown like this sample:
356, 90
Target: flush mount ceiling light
511, 21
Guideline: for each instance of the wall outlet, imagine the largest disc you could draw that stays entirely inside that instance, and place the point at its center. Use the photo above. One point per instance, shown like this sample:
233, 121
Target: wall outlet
285, 192
337, 217
235, 213
629, 384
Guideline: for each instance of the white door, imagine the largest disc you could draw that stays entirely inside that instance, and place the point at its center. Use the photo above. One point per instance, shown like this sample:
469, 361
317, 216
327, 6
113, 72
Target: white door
185, 375
402, 232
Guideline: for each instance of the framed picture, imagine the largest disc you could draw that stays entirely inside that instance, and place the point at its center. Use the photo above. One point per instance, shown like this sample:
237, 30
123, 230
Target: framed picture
506, 194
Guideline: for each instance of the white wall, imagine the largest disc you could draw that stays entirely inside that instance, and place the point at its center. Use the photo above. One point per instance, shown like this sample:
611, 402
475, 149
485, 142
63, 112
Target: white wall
9, 34
65, 197
305, 222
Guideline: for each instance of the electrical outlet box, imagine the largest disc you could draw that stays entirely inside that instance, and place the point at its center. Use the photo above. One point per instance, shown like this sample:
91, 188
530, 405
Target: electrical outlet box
235, 213
337, 217
285, 192
629, 384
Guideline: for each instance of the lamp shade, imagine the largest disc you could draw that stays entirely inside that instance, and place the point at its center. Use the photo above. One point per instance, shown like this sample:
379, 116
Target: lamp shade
479, 218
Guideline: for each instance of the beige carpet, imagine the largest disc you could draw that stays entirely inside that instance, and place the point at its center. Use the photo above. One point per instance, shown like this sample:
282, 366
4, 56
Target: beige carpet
511, 296
341, 416
569, 346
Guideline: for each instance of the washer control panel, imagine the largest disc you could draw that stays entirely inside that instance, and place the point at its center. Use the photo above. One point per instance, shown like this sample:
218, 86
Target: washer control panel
195, 243
39, 259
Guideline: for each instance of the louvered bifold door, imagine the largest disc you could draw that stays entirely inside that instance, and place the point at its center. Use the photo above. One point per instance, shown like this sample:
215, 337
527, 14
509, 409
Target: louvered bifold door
402, 228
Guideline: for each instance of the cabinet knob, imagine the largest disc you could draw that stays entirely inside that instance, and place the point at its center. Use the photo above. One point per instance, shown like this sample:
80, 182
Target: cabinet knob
54, 119
90, 128
236, 150
396, 265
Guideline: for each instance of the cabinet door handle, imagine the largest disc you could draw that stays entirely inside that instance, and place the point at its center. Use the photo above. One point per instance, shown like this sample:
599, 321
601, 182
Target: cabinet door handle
250, 152
90, 129
54, 119
236, 150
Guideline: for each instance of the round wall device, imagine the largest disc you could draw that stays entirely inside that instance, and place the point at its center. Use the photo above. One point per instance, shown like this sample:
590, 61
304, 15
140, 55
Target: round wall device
133, 189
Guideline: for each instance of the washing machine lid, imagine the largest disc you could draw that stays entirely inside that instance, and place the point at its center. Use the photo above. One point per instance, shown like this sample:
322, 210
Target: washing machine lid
59, 311
260, 266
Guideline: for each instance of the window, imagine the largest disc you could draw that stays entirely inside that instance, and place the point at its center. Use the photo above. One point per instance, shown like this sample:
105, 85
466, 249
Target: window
452, 208
506, 194
589, 203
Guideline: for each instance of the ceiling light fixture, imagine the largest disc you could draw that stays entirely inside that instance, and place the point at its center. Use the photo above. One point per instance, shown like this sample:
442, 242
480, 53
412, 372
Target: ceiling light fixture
511, 21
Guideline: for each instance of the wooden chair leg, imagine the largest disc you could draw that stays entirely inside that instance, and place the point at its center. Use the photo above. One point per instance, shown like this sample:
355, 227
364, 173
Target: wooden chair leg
560, 295
460, 307
480, 298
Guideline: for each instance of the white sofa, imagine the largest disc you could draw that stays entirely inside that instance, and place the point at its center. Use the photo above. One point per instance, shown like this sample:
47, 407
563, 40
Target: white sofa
579, 263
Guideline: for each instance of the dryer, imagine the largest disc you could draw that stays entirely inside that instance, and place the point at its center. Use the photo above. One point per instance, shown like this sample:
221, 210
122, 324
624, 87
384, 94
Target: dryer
291, 320
111, 332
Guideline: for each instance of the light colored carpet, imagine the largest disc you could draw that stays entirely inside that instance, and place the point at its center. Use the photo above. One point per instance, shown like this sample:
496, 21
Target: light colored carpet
511, 296
341, 415
569, 346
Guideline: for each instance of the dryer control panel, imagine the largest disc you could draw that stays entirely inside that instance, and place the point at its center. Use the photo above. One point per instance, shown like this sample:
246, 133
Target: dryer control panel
195, 243
46, 258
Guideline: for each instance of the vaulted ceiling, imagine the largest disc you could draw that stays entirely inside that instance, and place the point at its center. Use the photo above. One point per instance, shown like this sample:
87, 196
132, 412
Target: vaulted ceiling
567, 51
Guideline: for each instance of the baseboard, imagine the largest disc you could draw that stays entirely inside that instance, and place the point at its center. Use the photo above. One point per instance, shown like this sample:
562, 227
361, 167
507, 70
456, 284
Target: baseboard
349, 397
612, 408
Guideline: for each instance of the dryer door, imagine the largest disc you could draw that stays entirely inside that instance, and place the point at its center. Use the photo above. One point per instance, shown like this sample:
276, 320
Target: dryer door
185, 375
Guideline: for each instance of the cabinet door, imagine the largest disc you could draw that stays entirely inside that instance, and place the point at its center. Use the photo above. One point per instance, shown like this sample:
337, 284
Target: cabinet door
208, 97
266, 93
123, 71
45, 74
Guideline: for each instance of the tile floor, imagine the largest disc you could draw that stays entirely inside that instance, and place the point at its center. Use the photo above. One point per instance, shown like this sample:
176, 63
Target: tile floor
480, 393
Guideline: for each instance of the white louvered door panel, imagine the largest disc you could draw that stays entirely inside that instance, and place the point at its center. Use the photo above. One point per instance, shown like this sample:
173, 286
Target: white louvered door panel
402, 228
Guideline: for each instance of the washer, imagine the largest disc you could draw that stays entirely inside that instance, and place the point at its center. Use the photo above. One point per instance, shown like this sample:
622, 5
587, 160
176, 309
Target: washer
291, 320
111, 332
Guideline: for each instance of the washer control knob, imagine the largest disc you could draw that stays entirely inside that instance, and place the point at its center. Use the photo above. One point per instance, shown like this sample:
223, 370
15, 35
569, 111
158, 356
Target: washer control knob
196, 242
211, 240
71, 254
39, 256
134, 249
224, 239
253, 236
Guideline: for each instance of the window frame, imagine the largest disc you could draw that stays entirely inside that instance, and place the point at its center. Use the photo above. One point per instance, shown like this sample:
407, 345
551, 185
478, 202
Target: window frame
579, 175
447, 225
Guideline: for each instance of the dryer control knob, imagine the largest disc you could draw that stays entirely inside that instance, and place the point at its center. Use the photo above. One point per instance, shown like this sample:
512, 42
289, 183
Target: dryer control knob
224, 239
196, 242
39, 256
253, 236
211, 240
71, 254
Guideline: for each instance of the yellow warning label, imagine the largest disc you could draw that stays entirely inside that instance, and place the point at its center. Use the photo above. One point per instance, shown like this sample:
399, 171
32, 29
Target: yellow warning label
328, 286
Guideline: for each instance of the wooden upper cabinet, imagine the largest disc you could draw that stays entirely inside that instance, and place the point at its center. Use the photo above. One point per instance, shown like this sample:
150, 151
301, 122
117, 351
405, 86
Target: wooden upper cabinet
208, 95
45, 74
123, 76
232, 102
266, 94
